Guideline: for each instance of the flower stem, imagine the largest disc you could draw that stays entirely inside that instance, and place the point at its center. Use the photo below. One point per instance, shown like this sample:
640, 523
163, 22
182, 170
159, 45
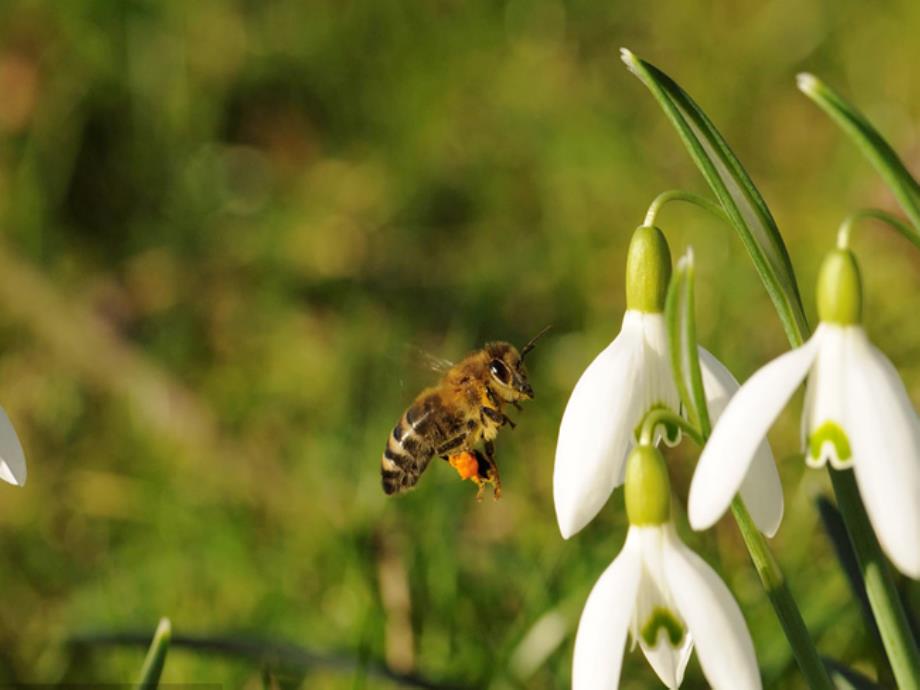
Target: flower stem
774, 584
846, 227
681, 195
662, 415
893, 625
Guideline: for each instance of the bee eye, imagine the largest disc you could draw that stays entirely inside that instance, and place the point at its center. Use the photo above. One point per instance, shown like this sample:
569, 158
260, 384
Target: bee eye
499, 370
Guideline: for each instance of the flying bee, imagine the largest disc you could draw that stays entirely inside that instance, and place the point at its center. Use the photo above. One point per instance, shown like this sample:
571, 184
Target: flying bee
451, 418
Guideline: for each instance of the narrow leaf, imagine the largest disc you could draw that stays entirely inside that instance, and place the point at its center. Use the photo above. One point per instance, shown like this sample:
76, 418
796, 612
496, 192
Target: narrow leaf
843, 549
870, 142
735, 191
156, 657
685, 358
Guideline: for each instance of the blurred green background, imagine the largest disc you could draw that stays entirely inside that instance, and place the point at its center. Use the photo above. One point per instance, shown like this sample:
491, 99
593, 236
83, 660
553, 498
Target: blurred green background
224, 226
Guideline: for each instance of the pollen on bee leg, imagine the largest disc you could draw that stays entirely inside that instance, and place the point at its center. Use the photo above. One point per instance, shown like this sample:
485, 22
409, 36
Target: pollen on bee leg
465, 463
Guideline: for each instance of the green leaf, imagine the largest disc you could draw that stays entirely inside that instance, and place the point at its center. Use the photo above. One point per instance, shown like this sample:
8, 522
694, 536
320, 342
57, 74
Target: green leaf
156, 656
870, 142
685, 358
735, 191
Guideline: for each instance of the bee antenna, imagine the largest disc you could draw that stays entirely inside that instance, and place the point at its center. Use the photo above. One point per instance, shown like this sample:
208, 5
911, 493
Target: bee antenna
533, 341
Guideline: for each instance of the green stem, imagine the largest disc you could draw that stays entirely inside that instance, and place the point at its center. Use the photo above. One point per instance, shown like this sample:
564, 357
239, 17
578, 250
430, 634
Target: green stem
681, 195
846, 227
774, 584
893, 625
663, 415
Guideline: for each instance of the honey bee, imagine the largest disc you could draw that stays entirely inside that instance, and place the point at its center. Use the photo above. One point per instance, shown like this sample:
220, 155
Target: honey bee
451, 418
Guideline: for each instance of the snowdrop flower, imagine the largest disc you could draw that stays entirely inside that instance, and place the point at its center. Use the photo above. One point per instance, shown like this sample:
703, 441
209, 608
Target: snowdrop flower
857, 415
665, 596
624, 382
12, 459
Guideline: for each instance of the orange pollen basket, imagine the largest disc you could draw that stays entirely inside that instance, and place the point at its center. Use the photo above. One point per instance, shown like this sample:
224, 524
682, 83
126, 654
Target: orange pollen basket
465, 463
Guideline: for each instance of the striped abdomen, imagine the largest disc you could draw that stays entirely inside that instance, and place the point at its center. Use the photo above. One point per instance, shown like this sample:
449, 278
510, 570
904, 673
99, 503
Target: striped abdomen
429, 427
407, 452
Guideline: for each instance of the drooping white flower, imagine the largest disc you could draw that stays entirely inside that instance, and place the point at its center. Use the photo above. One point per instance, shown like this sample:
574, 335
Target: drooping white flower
12, 459
625, 381
857, 414
630, 377
665, 596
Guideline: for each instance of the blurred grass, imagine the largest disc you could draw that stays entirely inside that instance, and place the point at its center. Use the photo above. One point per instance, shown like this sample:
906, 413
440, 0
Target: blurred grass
224, 221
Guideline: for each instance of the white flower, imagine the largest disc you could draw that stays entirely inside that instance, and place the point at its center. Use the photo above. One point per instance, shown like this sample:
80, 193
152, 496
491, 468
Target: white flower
669, 600
12, 459
857, 414
626, 380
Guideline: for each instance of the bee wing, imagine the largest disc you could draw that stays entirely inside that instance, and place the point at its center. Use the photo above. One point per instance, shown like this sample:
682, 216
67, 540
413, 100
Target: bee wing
426, 360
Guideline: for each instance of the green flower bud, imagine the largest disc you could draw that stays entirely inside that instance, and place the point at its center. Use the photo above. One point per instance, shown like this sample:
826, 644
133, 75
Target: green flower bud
648, 270
647, 487
840, 289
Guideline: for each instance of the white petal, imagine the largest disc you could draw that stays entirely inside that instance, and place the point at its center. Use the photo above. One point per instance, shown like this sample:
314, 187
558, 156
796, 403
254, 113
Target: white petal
12, 459
657, 378
740, 430
761, 489
722, 640
596, 429
668, 663
884, 433
826, 395
653, 596
602, 630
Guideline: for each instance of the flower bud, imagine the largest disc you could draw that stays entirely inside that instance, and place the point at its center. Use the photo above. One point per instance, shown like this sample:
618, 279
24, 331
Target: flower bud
648, 270
840, 289
648, 489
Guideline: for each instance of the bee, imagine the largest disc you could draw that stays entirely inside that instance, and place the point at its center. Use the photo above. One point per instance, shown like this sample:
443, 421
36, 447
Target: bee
451, 418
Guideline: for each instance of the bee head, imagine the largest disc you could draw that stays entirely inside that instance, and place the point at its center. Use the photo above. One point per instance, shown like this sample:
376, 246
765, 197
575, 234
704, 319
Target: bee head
506, 368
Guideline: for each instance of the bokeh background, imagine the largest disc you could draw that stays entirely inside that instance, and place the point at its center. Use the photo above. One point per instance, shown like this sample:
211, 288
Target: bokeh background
225, 228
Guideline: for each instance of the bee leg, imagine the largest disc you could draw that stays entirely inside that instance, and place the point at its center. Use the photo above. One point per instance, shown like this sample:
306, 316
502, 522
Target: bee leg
498, 417
450, 445
482, 485
481, 477
491, 470
493, 414
517, 405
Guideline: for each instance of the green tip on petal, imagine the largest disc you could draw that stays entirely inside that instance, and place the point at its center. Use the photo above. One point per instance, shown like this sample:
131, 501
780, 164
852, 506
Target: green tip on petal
662, 618
830, 432
648, 270
840, 289
647, 487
